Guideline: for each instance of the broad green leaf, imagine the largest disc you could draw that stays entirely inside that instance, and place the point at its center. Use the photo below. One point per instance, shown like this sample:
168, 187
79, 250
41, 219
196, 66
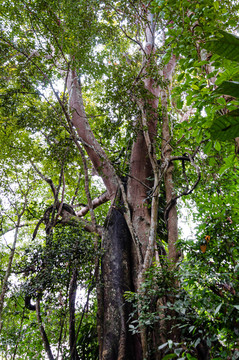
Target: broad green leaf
217, 146
169, 356
223, 169
179, 104
190, 357
228, 88
195, 87
181, 76
199, 136
208, 147
226, 127
217, 309
227, 46
222, 101
236, 307
216, 5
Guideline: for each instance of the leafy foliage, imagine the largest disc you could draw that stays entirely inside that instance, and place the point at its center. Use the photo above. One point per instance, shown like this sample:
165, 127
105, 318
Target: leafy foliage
39, 42
226, 46
225, 127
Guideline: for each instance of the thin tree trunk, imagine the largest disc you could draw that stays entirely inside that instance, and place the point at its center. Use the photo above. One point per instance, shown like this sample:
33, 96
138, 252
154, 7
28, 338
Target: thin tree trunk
8, 271
171, 214
19, 335
9, 267
72, 332
45, 340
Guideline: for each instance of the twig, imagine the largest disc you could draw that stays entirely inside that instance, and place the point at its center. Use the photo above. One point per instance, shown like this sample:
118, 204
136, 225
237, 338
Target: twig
135, 41
13, 228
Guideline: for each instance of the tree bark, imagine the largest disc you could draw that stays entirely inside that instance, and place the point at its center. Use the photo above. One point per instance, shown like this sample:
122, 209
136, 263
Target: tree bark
95, 152
116, 341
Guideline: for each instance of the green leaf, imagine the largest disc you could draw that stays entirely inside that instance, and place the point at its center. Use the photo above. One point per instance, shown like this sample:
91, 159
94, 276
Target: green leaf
179, 104
195, 87
208, 147
216, 5
223, 169
236, 307
226, 127
199, 136
181, 76
190, 357
227, 46
217, 309
217, 146
189, 100
169, 356
228, 88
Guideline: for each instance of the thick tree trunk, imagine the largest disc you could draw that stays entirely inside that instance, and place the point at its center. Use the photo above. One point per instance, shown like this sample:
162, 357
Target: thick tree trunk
138, 188
116, 342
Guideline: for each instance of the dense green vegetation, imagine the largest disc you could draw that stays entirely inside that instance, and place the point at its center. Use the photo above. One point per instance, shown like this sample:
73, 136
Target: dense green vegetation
52, 261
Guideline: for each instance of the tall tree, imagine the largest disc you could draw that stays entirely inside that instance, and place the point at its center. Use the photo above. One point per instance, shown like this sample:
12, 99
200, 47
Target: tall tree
110, 88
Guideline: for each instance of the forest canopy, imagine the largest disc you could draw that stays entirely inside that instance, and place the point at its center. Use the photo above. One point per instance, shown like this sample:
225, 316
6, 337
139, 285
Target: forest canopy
117, 118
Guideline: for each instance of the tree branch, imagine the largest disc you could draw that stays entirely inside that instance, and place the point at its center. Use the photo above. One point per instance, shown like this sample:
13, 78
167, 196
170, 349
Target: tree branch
95, 203
48, 180
67, 218
95, 152
13, 228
